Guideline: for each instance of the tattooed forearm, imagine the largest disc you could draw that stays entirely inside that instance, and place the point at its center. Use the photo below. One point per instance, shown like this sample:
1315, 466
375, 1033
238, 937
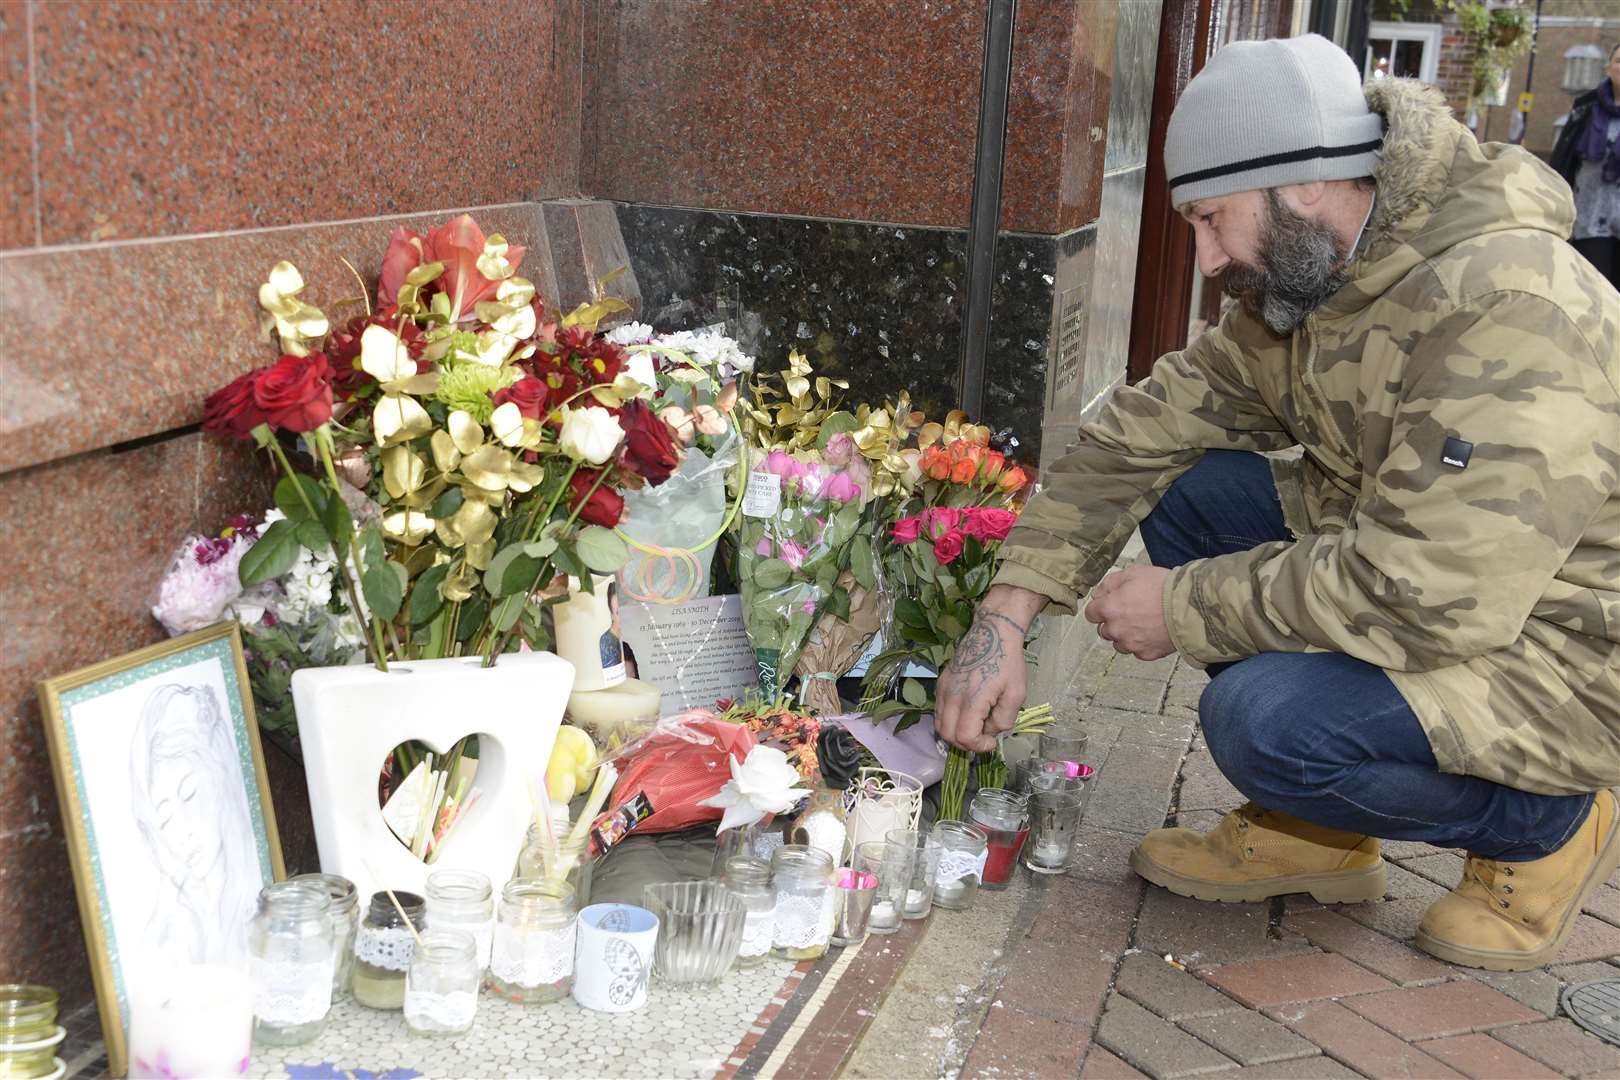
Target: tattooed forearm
1023, 631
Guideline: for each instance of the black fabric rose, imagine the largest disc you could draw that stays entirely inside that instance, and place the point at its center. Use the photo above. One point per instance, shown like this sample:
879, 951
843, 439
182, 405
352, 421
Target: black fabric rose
838, 755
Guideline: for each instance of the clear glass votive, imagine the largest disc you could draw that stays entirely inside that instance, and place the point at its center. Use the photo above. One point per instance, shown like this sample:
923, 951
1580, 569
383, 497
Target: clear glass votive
750, 878
463, 900
1054, 824
290, 957
441, 988
1004, 817
1062, 740
892, 863
962, 858
920, 894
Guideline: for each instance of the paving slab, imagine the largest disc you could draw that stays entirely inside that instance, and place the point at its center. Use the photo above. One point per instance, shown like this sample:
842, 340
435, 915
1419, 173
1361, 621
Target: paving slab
1154, 1045
1358, 1042
1562, 1045
1452, 1008
1396, 962
1202, 934
1168, 990
1248, 1037
1306, 977
1485, 1058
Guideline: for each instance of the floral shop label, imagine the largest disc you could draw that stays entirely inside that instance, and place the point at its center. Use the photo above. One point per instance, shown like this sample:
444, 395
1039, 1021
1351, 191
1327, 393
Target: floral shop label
763, 498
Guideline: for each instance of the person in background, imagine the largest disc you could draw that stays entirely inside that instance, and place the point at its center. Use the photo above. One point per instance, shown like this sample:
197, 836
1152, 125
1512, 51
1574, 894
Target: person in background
1587, 155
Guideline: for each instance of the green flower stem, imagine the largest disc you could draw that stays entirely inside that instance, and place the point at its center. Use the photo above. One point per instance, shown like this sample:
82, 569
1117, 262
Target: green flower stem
343, 573
502, 641
323, 444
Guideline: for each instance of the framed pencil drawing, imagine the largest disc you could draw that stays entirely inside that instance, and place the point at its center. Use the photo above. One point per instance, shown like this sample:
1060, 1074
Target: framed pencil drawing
166, 809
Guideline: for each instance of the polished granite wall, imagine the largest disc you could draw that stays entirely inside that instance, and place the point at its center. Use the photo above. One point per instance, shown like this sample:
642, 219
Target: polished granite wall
156, 157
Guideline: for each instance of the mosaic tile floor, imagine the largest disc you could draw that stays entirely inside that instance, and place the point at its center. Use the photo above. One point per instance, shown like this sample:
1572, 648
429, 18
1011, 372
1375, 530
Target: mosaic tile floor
682, 1032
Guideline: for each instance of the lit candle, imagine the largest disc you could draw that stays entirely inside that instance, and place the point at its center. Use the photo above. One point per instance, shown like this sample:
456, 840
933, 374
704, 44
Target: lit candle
191, 1021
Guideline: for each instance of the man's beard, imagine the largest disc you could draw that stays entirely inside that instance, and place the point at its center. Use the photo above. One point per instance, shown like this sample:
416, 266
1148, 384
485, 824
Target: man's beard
1300, 267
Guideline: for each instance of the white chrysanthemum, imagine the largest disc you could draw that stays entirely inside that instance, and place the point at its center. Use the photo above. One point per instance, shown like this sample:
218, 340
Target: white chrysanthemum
634, 333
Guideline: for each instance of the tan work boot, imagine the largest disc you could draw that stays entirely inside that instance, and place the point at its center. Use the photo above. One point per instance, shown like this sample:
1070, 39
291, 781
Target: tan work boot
1255, 854
1513, 916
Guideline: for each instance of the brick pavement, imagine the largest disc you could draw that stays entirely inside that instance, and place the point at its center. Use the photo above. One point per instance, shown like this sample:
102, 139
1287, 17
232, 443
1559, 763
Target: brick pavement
1108, 977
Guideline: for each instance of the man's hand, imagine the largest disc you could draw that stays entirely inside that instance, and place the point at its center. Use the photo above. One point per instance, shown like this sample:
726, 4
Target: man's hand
1128, 608
982, 688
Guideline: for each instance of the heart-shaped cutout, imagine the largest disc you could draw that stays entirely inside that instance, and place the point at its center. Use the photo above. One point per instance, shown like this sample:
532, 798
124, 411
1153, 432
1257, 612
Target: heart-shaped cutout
427, 794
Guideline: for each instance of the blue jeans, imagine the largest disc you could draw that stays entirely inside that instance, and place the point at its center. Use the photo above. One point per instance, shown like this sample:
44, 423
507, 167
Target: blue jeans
1324, 736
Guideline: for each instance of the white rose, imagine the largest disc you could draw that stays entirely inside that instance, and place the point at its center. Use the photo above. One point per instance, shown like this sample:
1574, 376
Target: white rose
590, 434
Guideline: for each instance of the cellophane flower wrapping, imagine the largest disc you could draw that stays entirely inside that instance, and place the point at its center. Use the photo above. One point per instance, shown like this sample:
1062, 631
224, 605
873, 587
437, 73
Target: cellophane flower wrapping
835, 643
791, 556
665, 776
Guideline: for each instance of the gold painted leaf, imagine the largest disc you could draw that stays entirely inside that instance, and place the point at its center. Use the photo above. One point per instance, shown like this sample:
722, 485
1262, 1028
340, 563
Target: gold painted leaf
478, 555
407, 527
403, 471
506, 424
465, 432
398, 419
487, 467
446, 455
383, 356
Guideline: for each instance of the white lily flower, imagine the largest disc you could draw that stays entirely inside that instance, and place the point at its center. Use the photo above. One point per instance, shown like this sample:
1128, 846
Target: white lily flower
764, 784
590, 434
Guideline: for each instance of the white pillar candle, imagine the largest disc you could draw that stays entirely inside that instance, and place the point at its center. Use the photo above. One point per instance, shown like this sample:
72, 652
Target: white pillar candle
194, 1020
587, 626
616, 711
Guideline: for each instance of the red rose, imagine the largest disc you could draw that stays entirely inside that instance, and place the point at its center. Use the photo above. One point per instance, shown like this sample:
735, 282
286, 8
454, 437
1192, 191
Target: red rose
405, 253
295, 393
907, 530
649, 446
996, 523
458, 245
529, 394
948, 547
604, 507
231, 410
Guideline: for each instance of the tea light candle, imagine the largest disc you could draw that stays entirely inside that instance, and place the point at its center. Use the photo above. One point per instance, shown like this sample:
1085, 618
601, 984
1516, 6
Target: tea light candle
195, 1020
615, 709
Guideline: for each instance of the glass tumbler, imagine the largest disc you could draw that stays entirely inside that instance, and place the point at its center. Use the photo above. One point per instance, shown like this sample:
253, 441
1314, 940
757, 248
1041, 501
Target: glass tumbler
290, 954
29, 1034
1062, 740
1055, 821
1004, 817
441, 988
920, 896
345, 915
962, 856
892, 863
805, 902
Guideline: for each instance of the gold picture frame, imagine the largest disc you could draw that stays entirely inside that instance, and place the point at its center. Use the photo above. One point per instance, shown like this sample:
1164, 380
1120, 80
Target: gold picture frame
143, 749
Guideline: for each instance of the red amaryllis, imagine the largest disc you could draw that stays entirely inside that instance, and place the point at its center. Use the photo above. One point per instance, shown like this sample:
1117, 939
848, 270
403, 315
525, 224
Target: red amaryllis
458, 245
231, 410
529, 394
406, 251
604, 507
295, 393
649, 446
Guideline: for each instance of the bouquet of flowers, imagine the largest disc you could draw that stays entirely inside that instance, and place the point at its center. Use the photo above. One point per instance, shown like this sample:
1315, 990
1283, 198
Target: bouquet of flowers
494, 445
299, 619
941, 555
673, 528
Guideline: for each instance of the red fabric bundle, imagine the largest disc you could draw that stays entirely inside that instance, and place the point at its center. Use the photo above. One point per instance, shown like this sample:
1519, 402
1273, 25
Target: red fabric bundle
681, 762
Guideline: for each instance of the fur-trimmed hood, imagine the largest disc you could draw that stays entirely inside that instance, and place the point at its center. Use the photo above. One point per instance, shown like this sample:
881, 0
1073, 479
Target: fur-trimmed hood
1437, 186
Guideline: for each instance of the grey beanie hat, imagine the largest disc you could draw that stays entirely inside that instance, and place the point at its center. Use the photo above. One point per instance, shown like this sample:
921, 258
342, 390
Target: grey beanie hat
1266, 113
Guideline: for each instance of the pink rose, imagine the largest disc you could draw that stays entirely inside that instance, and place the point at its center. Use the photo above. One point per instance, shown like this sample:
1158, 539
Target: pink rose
996, 522
792, 554
840, 450
939, 520
783, 464
948, 547
841, 487
906, 529
763, 548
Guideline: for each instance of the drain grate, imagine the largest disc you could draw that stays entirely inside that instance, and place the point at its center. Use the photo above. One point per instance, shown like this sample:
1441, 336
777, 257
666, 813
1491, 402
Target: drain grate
1596, 1007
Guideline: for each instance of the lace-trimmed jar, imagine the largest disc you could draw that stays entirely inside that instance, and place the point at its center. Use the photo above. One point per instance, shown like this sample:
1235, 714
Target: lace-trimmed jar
344, 916
290, 953
750, 879
383, 949
805, 902
532, 961
441, 990
462, 900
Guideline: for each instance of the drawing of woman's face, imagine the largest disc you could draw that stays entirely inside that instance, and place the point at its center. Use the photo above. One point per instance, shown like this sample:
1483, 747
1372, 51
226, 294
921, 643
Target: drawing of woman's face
186, 808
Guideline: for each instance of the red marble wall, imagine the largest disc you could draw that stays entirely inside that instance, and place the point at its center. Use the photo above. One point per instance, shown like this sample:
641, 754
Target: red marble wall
862, 110
127, 127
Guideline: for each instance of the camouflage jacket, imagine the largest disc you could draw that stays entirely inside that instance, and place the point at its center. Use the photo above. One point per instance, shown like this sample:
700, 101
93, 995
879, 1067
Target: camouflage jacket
1490, 593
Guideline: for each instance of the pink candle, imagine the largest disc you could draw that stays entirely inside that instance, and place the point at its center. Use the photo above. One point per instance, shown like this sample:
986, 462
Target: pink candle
192, 1021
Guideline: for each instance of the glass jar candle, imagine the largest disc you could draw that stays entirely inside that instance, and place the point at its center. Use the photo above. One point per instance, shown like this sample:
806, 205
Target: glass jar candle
1004, 817
344, 914
532, 961
962, 857
920, 896
750, 878
29, 1034
290, 960
441, 988
892, 864
805, 902
463, 900
1055, 822
383, 947
573, 865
